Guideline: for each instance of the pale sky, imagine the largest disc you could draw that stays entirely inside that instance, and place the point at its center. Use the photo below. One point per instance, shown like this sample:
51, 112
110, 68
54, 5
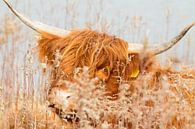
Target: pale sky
152, 12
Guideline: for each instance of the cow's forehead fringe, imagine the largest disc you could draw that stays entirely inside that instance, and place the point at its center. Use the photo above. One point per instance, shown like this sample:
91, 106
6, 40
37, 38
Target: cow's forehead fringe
84, 48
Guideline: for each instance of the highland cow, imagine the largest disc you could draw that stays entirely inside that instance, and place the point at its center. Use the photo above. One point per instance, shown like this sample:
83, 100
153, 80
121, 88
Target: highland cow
109, 58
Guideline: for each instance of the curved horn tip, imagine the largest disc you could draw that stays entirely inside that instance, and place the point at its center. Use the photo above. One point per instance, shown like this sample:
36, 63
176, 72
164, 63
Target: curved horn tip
38, 26
166, 46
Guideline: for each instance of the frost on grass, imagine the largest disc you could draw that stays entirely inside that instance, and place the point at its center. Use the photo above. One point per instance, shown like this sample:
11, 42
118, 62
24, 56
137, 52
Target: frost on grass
158, 99
162, 99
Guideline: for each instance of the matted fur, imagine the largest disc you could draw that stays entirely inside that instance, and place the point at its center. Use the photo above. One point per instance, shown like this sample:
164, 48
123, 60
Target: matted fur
84, 48
88, 48
106, 56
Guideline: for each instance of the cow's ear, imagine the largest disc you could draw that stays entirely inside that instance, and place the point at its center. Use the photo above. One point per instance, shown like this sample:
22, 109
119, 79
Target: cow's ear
133, 67
134, 74
104, 73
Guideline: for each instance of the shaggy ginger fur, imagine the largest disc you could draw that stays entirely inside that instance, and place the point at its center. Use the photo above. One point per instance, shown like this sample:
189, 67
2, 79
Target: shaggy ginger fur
106, 57
89, 48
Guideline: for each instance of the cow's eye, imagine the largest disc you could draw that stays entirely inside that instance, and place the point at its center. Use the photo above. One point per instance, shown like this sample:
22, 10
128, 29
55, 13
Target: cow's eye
103, 73
106, 69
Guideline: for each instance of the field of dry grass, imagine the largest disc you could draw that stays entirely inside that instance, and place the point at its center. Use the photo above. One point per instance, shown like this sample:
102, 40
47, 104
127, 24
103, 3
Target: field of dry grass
163, 98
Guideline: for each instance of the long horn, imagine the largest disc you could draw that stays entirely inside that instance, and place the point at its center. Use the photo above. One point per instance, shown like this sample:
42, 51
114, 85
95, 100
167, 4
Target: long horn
37, 26
166, 46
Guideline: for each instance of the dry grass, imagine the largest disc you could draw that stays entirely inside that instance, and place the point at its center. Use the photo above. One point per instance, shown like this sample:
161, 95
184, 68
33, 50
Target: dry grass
162, 98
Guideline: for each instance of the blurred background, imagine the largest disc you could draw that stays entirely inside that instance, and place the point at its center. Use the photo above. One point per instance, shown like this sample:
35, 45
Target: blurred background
156, 21
133, 20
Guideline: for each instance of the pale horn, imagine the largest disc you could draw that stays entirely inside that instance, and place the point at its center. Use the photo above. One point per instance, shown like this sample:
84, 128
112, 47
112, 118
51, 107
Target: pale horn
166, 46
158, 49
38, 26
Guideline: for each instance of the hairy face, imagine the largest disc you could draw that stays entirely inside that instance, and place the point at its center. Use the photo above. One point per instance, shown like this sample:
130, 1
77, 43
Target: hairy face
122, 71
106, 56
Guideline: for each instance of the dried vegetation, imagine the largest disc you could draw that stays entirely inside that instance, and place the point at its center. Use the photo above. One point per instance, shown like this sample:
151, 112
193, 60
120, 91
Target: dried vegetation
160, 98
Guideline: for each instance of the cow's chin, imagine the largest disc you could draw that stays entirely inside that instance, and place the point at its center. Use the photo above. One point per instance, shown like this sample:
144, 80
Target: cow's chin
61, 103
60, 98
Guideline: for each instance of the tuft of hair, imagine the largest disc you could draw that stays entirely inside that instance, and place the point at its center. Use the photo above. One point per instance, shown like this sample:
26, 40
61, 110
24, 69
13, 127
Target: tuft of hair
83, 48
